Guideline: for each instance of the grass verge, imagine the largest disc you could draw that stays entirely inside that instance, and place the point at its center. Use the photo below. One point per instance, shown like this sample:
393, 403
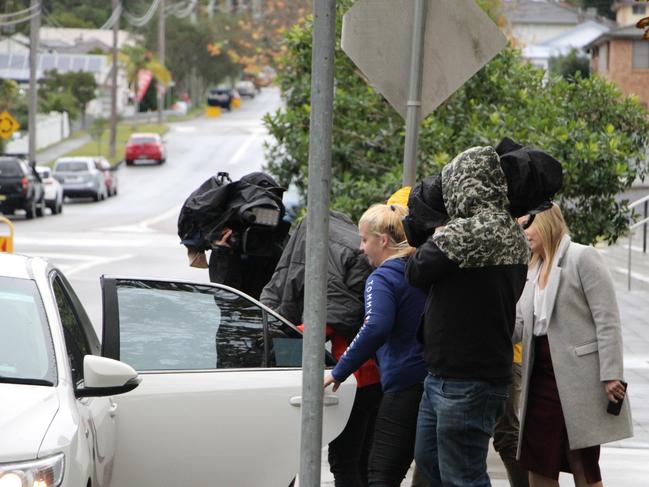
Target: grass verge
124, 131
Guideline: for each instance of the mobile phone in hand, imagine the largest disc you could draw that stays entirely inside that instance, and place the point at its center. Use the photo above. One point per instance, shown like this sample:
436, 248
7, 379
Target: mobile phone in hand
614, 408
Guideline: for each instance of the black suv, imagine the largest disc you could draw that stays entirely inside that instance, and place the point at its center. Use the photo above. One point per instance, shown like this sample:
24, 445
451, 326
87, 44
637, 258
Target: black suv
221, 96
20, 187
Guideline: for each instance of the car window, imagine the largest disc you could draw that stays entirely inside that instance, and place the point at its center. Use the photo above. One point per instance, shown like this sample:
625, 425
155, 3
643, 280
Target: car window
176, 326
10, 168
76, 341
44, 173
285, 344
71, 166
26, 349
143, 140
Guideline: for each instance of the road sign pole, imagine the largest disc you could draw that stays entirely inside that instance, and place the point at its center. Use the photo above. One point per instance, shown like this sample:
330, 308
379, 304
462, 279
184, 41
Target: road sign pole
322, 83
34, 27
112, 138
414, 93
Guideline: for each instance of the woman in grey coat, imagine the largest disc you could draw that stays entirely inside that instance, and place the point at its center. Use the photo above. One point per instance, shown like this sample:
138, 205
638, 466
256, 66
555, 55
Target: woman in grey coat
572, 358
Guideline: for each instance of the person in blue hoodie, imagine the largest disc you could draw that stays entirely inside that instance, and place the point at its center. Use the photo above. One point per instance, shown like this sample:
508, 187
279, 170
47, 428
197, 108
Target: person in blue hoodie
393, 310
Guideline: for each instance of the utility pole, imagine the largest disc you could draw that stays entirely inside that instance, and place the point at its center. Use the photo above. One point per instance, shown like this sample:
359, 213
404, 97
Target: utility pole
257, 9
414, 93
34, 28
317, 236
161, 56
112, 138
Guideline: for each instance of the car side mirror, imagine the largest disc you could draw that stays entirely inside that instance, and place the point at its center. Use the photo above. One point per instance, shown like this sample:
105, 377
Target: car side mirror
106, 377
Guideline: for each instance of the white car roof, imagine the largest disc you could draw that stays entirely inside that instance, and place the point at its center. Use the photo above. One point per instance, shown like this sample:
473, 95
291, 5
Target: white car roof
20, 266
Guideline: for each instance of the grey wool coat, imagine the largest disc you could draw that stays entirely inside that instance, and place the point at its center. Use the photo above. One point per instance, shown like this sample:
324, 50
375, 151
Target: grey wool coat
585, 340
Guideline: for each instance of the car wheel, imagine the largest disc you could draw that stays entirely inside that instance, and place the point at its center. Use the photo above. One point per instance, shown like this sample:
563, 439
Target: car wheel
129, 162
30, 211
59, 206
96, 196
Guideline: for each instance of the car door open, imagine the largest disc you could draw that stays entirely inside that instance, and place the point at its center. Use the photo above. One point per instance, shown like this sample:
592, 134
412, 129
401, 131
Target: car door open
219, 402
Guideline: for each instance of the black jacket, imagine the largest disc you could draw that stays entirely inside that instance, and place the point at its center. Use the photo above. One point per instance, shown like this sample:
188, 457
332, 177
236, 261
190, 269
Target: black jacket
469, 316
347, 271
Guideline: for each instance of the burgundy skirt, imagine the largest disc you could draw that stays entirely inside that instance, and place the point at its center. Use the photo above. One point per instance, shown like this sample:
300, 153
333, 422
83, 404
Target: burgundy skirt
545, 438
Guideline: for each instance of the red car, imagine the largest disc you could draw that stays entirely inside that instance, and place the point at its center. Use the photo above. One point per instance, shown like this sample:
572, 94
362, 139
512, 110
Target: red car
143, 146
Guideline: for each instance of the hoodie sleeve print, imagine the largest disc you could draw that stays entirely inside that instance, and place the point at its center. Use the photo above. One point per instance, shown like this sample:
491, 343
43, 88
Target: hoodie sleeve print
380, 313
427, 265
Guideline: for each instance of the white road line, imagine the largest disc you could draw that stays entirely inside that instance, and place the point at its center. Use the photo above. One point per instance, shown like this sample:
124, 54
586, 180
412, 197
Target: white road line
144, 225
97, 242
634, 275
242, 150
96, 262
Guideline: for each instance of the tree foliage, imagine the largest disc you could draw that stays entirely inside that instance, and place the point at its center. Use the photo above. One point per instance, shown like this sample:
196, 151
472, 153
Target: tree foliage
600, 136
67, 92
569, 65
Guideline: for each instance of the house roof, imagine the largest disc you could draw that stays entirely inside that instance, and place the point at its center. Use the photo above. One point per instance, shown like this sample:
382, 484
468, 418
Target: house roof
628, 32
623, 3
575, 38
16, 65
540, 12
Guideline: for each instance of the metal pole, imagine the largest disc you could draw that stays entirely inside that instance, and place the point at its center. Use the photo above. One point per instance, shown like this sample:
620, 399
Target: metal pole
34, 27
322, 84
414, 93
629, 260
112, 137
161, 56
644, 229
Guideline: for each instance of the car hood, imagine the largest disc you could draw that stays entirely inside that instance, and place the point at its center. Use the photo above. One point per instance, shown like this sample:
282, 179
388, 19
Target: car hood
26, 412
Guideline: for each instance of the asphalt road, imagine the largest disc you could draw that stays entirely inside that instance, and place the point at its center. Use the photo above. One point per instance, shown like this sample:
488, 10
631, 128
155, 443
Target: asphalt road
134, 233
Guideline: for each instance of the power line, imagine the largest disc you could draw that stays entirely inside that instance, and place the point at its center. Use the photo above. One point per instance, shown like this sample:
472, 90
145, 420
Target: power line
114, 17
142, 21
19, 13
34, 14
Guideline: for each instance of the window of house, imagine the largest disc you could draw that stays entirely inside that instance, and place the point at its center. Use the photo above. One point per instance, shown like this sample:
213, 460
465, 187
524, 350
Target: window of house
602, 60
640, 55
639, 9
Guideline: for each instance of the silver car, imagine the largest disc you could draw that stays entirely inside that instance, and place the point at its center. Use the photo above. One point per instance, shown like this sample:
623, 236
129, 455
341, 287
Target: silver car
79, 176
53, 190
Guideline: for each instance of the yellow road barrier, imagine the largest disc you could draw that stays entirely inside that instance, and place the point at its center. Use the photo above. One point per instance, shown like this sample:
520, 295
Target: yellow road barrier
212, 112
6, 235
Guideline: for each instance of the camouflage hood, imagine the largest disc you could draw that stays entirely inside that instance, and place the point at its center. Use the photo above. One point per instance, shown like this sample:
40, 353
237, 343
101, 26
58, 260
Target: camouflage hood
480, 232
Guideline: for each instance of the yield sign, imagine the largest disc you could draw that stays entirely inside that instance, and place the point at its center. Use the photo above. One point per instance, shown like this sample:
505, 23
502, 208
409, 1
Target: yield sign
8, 125
460, 39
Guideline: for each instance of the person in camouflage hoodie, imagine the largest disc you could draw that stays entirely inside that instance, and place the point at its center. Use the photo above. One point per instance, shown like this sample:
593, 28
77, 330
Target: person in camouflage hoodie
474, 270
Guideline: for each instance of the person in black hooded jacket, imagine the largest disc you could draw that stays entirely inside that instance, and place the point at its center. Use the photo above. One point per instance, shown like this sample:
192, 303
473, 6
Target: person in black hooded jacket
474, 270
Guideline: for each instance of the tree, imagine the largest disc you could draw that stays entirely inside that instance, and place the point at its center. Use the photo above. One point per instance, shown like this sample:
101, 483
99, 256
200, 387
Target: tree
599, 136
569, 65
77, 88
97, 129
135, 59
604, 7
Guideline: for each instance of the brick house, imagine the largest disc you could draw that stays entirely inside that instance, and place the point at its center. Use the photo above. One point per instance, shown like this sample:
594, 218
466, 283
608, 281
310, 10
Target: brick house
622, 56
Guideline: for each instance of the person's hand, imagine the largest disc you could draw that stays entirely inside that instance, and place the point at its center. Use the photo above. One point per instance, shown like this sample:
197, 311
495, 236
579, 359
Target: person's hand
223, 241
330, 380
614, 390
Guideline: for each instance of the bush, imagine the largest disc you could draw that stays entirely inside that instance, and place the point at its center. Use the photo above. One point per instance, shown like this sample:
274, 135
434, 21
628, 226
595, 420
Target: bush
598, 135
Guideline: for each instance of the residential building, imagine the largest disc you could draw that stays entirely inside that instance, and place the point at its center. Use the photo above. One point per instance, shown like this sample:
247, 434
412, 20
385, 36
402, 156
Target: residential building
622, 56
628, 12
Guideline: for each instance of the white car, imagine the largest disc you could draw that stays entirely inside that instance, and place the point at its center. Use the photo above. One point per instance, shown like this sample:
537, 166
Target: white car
53, 190
246, 88
218, 402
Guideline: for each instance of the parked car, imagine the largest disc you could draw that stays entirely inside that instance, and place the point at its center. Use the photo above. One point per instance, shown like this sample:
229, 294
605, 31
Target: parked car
21, 187
221, 96
246, 88
80, 177
57, 426
53, 190
145, 146
219, 373
110, 175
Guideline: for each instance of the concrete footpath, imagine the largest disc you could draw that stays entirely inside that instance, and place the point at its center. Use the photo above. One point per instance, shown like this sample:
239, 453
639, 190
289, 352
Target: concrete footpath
624, 463
50, 154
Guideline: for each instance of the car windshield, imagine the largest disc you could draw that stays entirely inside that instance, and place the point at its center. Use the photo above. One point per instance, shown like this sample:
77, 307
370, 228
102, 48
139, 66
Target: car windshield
71, 166
10, 168
26, 349
143, 140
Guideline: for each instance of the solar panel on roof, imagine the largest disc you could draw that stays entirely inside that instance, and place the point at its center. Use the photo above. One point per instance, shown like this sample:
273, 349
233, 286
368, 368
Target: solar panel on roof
17, 61
63, 64
4, 61
48, 62
78, 63
94, 65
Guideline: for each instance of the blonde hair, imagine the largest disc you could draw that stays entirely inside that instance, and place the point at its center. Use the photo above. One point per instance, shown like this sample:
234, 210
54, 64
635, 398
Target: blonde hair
386, 220
551, 227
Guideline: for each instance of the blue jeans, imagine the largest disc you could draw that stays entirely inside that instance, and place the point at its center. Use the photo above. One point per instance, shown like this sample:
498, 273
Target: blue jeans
456, 419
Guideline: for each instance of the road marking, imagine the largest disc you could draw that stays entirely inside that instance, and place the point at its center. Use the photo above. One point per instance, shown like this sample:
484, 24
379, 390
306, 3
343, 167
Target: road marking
98, 261
99, 242
191, 128
242, 150
144, 225
634, 275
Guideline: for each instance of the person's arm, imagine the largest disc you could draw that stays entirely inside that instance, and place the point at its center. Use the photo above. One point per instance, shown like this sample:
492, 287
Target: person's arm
600, 295
427, 265
380, 313
518, 327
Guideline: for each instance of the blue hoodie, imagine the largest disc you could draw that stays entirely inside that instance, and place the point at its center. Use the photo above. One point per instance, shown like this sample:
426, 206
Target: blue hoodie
393, 310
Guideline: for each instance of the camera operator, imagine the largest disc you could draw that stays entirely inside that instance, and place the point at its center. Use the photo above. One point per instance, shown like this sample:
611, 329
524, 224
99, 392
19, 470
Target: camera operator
242, 223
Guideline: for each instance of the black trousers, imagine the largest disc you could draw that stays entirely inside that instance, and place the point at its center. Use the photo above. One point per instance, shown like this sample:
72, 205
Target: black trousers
349, 452
393, 448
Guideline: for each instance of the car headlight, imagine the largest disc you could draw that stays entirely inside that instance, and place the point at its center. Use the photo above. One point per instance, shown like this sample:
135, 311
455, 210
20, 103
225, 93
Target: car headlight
47, 472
